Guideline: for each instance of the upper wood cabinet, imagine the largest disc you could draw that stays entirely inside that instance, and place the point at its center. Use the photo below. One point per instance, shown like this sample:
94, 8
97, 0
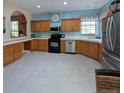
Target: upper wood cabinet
40, 26
70, 25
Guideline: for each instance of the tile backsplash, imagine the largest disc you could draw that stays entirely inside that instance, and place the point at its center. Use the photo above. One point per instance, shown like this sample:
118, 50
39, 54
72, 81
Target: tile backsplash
67, 34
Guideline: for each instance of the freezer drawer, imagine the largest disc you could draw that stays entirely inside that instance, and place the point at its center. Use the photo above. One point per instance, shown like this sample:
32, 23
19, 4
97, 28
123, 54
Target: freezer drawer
110, 61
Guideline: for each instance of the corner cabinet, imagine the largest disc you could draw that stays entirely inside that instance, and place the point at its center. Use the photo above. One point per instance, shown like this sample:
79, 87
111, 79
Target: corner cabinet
70, 25
40, 26
87, 48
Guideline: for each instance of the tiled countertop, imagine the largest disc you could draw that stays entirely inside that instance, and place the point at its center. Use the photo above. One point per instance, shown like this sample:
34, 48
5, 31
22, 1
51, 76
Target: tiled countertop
24, 39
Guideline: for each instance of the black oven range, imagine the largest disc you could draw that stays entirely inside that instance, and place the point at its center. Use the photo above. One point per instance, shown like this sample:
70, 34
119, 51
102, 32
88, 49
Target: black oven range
54, 43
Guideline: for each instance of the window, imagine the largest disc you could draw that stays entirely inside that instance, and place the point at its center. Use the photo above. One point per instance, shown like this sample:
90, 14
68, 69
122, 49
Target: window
14, 29
18, 24
88, 27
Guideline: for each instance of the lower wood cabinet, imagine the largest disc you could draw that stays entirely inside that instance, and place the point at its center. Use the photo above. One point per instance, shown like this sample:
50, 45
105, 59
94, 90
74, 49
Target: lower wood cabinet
81, 47
62, 46
34, 45
8, 54
92, 50
43, 45
11, 53
39, 45
18, 50
100, 52
87, 48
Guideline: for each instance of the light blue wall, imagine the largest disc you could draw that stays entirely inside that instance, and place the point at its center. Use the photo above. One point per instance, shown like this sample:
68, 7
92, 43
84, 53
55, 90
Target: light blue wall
106, 6
72, 14
69, 14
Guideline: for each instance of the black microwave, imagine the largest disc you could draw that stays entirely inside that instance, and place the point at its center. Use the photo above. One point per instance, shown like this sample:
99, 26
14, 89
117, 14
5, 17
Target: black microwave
55, 28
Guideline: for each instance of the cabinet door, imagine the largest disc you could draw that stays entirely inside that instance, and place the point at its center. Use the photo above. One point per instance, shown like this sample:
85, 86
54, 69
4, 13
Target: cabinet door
62, 44
70, 25
43, 45
45, 26
76, 25
35, 26
66, 25
17, 50
78, 47
34, 45
84, 47
92, 50
40, 26
8, 54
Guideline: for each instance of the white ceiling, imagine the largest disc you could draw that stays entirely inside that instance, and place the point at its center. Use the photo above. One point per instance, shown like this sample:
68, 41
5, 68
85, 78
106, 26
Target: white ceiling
57, 5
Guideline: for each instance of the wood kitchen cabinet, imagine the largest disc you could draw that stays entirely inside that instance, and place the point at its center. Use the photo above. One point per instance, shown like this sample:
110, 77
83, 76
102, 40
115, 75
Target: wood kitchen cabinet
43, 45
92, 50
62, 46
34, 45
11, 53
78, 47
17, 50
40, 26
87, 48
8, 54
82, 47
35, 26
39, 45
100, 52
70, 25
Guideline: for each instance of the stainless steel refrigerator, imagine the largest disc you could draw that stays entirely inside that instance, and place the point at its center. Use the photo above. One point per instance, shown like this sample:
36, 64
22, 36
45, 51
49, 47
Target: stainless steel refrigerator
111, 42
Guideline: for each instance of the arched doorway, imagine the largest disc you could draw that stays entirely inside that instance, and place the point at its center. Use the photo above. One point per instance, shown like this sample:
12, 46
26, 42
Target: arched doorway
18, 24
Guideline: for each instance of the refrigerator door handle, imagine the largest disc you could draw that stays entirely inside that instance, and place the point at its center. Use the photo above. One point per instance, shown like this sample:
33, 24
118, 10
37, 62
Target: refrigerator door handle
110, 37
112, 40
107, 37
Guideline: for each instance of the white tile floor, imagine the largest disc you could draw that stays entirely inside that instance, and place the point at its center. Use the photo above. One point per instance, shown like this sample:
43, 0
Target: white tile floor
41, 72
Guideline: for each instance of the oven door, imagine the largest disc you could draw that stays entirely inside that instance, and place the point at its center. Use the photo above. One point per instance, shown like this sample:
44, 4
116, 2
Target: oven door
54, 46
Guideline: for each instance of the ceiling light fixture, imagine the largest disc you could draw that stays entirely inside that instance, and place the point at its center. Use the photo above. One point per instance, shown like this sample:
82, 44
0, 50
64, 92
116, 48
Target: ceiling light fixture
65, 3
38, 6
